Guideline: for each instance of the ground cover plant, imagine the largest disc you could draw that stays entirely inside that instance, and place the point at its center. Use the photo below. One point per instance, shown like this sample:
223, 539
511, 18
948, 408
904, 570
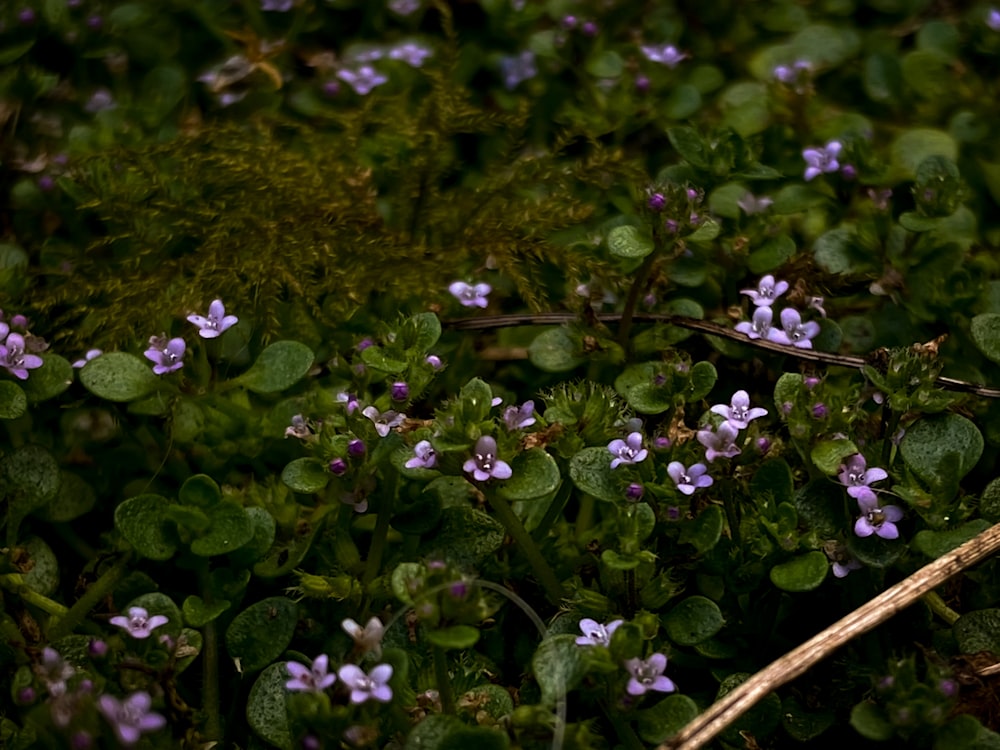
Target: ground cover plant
497, 373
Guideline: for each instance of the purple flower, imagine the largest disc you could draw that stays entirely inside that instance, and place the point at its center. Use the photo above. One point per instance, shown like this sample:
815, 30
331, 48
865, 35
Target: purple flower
278, 6
634, 492
751, 204
767, 291
469, 295
131, 717
657, 202
719, 443
485, 464
139, 624
404, 7
519, 417
410, 53
820, 160
314, 679
14, 358
53, 671
648, 675
385, 421
842, 568
374, 685
99, 101
362, 80
350, 399
367, 639
400, 391
876, 520
689, 479
856, 476
338, 467
434, 361
739, 412
794, 331
356, 448
517, 68
627, 451
993, 19
595, 634
667, 54
216, 322
424, 456
820, 411
299, 428
166, 356
91, 354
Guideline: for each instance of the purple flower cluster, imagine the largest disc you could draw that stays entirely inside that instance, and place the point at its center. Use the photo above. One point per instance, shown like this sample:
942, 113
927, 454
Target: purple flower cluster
373, 685
644, 674
14, 354
856, 476
793, 332
822, 160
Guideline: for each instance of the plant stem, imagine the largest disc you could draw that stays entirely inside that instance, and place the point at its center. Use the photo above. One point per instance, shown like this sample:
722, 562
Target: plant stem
103, 586
933, 600
443, 681
546, 576
553, 512
622, 729
374, 562
211, 700
632, 300
14, 583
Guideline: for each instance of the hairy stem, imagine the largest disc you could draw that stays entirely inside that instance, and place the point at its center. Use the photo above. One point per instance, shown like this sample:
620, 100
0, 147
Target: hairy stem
443, 680
546, 576
15, 584
374, 562
103, 586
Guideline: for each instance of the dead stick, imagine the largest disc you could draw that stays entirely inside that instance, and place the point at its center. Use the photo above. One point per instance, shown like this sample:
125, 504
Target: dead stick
734, 704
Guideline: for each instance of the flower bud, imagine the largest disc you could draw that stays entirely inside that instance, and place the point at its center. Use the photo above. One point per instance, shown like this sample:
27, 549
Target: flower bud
400, 391
820, 411
356, 448
657, 202
338, 467
434, 361
634, 492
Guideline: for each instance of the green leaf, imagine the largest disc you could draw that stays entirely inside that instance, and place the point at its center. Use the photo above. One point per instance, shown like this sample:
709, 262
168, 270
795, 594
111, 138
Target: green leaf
29, 477
803, 573
13, 402
705, 530
629, 242
377, 358
266, 712
617, 561
693, 620
745, 108
942, 449
819, 504
989, 503
883, 77
48, 381
772, 254
74, 498
306, 475
454, 637
985, 331
703, 377
833, 250
200, 490
723, 200
481, 738
554, 351
118, 376
559, 666
536, 475
978, 630
683, 101
43, 577
689, 145
466, 536
666, 718
197, 613
163, 88
829, 455
773, 479
259, 634
278, 367
870, 721
607, 64
793, 199
803, 725
874, 551
229, 529
591, 472
432, 732
264, 527
426, 329
913, 146
14, 51
142, 520
937, 543
707, 231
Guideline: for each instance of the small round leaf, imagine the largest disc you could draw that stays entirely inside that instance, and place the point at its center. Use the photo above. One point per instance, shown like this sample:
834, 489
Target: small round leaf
142, 520
802, 573
278, 367
266, 713
693, 620
306, 475
119, 376
535, 475
261, 632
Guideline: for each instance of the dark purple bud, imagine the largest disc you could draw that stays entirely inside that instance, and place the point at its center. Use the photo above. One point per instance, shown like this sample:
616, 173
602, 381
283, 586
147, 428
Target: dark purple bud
311, 742
886, 682
569, 22
62, 159
359, 369
849, 172
356, 448
338, 467
400, 391
657, 202
458, 590
948, 688
642, 84
26, 695
694, 219
820, 411
74, 3
86, 686
436, 565
97, 648
659, 379
589, 28
364, 344
763, 444
20, 322
811, 382
661, 443
331, 88
634, 492
95, 22
786, 408
671, 226
692, 194
673, 513
82, 741
46, 183
434, 361
26, 16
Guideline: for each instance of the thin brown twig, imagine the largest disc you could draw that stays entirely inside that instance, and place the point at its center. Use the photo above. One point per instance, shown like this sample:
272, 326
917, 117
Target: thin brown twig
734, 704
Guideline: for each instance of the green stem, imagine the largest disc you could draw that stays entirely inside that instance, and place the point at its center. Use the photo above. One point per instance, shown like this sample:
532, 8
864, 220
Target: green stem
632, 300
374, 562
14, 583
623, 730
443, 681
938, 607
546, 576
553, 512
732, 517
211, 696
584, 518
103, 586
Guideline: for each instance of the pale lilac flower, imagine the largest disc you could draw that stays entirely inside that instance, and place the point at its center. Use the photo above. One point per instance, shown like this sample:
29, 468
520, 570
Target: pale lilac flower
15, 359
739, 413
362, 80
842, 568
434, 361
596, 634
820, 160
519, 417
366, 54
469, 295
216, 322
689, 479
794, 331
880, 197
374, 685
91, 354
993, 19
410, 53
517, 68
720, 442
667, 54
816, 303
139, 624
299, 428
759, 326
367, 639
385, 421
404, 7
485, 464
314, 679
278, 6
349, 399
751, 204
767, 291
424, 456
131, 717
627, 451
856, 476
648, 675
876, 520
100, 101
496, 401
166, 356
53, 671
